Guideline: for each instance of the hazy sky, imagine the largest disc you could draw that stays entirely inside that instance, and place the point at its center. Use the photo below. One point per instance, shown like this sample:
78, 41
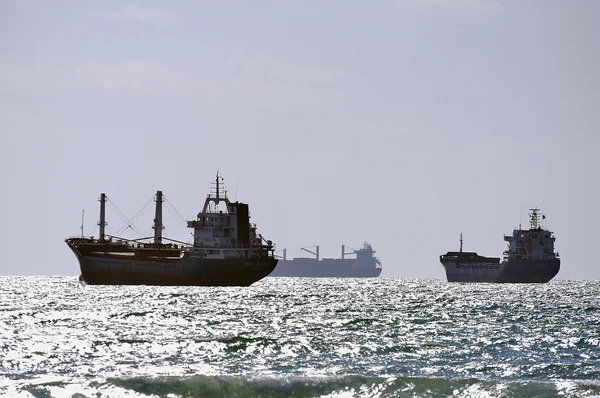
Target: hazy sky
401, 123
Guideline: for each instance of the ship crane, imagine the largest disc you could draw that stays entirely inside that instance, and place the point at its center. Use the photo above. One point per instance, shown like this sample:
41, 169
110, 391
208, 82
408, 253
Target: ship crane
281, 257
267, 243
315, 253
344, 252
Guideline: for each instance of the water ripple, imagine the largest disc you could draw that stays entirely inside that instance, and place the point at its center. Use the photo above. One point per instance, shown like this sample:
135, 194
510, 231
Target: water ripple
321, 336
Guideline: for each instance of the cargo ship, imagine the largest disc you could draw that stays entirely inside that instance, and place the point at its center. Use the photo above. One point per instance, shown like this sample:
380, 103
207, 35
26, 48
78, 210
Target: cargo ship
530, 258
363, 265
226, 250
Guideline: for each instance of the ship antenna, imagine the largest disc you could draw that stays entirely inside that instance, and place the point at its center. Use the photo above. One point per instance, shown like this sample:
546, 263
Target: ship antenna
520, 216
217, 184
82, 212
461, 242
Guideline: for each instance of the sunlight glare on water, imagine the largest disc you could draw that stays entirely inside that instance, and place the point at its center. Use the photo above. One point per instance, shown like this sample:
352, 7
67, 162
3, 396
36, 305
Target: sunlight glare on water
314, 337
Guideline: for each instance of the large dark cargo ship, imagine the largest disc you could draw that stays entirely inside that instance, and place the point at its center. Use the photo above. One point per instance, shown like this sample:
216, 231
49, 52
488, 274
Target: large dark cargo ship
365, 265
530, 258
226, 250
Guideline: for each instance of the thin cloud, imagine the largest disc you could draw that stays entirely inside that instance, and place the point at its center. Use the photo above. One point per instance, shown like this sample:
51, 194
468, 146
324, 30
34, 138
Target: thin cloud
154, 79
6, 56
267, 68
481, 7
144, 14
133, 77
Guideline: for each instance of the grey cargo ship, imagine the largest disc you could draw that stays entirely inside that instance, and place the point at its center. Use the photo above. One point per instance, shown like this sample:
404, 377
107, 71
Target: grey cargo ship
530, 258
363, 265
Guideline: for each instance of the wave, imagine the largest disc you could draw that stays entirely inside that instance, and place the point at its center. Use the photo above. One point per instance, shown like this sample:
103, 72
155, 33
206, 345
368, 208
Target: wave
242, 343
345, 386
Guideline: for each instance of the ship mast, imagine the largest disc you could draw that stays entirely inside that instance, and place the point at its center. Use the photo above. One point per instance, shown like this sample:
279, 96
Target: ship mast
534, 218
158, 225
102, 222
461, 242
215, 195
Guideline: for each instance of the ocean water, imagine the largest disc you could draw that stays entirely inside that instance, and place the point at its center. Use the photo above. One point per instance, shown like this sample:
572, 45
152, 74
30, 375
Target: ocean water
300, 337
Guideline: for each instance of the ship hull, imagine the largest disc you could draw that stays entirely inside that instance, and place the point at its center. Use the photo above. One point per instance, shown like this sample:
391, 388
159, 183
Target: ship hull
509, 271
186, 270
288, 268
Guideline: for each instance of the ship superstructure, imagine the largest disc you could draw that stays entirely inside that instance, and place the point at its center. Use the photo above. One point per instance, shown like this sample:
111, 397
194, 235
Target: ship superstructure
530, 258
363, 265
226, 251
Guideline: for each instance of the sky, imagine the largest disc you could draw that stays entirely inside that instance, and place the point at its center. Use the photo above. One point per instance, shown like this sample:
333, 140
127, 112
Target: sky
401, 123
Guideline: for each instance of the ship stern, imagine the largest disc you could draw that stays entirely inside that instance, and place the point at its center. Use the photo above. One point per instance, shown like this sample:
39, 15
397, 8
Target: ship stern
529, 271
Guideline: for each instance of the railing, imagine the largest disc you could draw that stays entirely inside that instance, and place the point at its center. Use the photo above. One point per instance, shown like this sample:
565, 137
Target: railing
236, 246
149, 245
81, 238
530, 256
132, 244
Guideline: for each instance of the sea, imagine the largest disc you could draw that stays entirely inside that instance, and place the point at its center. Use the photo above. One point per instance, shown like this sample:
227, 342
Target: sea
299, 337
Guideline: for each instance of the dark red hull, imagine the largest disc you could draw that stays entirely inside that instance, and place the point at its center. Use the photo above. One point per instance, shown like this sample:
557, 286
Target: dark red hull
96, 271
119, 268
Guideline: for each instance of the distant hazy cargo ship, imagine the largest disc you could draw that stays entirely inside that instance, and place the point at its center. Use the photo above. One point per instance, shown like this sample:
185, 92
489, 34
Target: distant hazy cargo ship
226, 251
530, 258
364, 265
